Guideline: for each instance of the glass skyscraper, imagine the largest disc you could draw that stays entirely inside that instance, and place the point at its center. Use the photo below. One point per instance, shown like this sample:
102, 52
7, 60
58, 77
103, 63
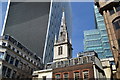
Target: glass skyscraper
97, 39
3, 10
35, 25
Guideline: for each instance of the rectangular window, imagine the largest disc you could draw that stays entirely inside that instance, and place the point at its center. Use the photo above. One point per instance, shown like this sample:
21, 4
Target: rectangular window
17, 51
116, 24
4, 70
44, 78
111, 11
60, 50
8, 73
76, 75
86, 75
7, 57
16, 63
66, 76
57, 77
9, 46
11, 60
3, 44
13, 49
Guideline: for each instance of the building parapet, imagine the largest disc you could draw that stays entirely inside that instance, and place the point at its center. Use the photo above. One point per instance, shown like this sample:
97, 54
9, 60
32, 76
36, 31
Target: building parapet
83, 58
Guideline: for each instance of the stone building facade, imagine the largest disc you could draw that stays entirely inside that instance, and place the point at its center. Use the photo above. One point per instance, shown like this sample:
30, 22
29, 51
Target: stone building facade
110, 9
16, 61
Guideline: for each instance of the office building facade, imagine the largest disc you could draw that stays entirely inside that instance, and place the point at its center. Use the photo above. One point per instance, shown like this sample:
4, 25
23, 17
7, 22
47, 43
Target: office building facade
16, 61
97, 39
35, 25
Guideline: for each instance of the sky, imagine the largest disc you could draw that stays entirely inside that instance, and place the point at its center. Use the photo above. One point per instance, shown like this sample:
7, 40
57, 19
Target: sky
82, 19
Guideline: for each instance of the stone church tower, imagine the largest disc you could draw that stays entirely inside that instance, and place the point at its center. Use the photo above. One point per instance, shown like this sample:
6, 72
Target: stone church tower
62, 46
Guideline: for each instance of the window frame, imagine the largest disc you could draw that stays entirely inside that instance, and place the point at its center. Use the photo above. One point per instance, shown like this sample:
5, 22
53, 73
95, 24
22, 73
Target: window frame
118, 24
111, 11
83, 74
64, 78
59, 76
78, 74
60, 50
7, 60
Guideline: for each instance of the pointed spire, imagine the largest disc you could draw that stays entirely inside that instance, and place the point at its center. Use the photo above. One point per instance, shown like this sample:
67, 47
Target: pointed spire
63, 34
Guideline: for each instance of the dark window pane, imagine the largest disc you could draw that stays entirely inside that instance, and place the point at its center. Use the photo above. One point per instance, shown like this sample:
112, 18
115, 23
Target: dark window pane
11, 60
17, 51
76, 76
3, 44
13, 48
117, 8
16, 63
117, 24
4, 70
8, 73
6, 37
111, 11
85, 75
66, 76
9, 46
44, 77
60, 50
7, 57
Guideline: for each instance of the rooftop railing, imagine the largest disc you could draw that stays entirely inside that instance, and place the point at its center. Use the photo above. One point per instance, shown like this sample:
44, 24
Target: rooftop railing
71, 62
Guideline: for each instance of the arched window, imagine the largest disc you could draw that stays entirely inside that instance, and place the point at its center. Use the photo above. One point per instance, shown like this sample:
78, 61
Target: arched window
116, 24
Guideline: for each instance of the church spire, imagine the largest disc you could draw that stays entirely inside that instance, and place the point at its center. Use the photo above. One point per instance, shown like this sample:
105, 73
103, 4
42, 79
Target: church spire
62, 46
63, 34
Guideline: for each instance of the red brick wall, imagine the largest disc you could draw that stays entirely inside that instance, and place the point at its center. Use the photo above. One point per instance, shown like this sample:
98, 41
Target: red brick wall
76, 68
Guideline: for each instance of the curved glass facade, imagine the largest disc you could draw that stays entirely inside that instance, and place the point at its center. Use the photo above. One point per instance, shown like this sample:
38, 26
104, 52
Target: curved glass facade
54, 26
97, 39
35, 25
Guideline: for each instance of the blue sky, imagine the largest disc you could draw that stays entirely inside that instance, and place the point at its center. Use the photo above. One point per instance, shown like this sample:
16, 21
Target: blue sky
82, 19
